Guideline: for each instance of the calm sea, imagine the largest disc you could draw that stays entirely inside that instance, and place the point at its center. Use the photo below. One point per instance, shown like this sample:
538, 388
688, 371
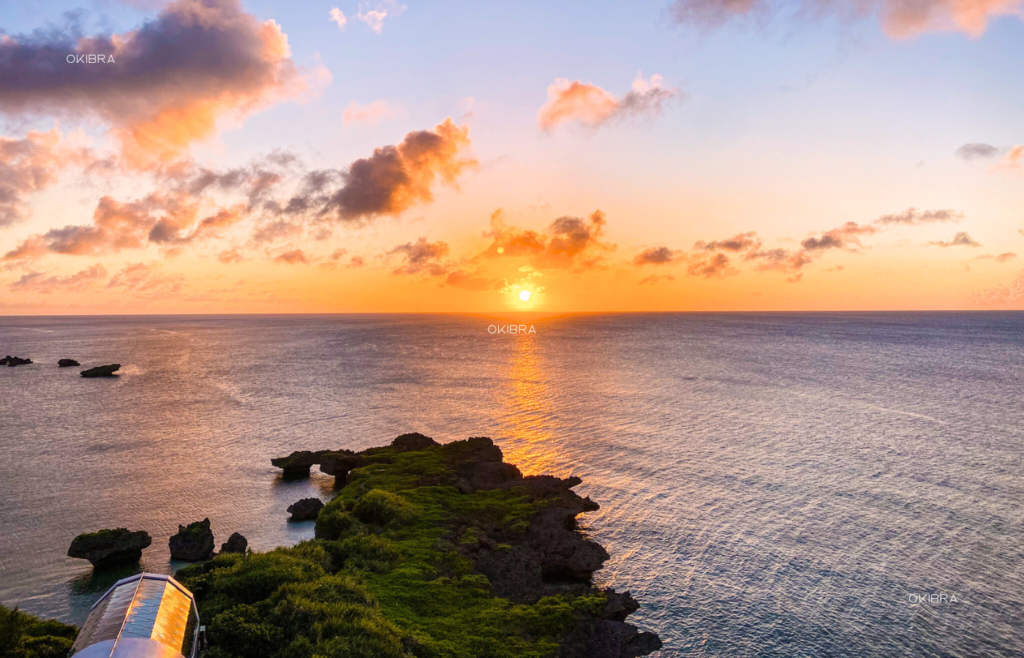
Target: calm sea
772, 484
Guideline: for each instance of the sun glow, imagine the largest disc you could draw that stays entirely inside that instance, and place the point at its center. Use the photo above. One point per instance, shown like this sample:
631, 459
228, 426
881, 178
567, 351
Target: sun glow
524, 295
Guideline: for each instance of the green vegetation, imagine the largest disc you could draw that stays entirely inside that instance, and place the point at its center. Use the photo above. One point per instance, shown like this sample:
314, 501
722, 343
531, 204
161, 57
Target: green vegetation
388, 575
25, 636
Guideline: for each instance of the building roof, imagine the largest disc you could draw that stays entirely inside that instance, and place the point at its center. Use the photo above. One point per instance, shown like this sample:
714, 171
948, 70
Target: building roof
144, 616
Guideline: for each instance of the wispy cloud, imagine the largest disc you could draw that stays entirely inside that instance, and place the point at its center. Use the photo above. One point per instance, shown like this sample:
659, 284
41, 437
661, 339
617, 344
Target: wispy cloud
368, 114
592, 106
375, 17
78, 282
899, 19
961, 239
976, 151
338, 18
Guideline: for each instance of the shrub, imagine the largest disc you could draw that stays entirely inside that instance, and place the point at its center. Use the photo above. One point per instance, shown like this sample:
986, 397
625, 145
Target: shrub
382, 508
333, 523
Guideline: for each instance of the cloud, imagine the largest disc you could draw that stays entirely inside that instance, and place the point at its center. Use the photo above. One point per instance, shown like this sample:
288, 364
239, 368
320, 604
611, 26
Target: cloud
146, 281
173, 79
657, 278
976, 151
79, 282
356, 261
1001, 258
1001, 294
231, 256
961, 239
913, 216
395, 178
715, 266
658, 256
899, 19
293, 257
592, 106
29, 165
375, 17
420, 256
368, 114
466, 281
1012, 162
839, 237
738, 242
568, 242
338, 17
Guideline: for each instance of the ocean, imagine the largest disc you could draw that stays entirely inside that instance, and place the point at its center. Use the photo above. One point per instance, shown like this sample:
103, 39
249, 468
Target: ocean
834, 484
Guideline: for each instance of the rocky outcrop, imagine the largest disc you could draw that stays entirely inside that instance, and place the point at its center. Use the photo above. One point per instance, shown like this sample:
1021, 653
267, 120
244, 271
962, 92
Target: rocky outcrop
236, 543
68, 363
102, 371
412, 442
14, 361
296, 465
306, 509
544, 554
110, 547
193, 543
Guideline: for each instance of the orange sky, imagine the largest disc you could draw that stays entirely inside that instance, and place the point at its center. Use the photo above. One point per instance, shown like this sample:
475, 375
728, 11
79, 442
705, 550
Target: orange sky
260, 165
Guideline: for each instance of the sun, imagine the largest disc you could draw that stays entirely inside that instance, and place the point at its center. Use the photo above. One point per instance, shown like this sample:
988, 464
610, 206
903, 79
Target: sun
524, 295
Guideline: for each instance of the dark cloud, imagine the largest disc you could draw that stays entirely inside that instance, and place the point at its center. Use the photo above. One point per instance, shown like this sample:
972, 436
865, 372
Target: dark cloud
976, 151
395, 178
657, 256
39, 282
899, 19
824, 242
711, 267
171, 80
738, 242
961, 239
421, 256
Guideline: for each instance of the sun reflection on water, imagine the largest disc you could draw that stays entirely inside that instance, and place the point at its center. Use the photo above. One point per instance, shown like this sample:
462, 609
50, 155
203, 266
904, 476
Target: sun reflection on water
528, 424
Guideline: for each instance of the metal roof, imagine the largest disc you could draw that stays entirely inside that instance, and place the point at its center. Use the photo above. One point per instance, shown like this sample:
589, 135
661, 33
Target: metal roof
144, 616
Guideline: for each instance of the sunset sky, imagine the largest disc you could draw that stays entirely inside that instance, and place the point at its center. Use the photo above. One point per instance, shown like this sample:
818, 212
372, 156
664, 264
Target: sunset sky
294, 157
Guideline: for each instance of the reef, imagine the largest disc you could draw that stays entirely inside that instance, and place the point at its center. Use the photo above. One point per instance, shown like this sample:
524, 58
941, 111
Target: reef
193, 542
236, 543
12, 361
426, 551
25, 636
110, 547
102, 371
67, 363
306, 509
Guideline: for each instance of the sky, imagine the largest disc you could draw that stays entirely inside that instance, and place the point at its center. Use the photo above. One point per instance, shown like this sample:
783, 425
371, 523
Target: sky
218, 156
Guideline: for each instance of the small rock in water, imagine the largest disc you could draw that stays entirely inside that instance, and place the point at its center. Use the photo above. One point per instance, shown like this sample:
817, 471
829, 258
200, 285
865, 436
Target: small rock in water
193, 543
68, 363
110, 547
12, 361
102, 371
236, 543
306, 509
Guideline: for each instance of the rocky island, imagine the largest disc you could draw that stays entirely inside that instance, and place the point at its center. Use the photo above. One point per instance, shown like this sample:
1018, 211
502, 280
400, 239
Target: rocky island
426, 550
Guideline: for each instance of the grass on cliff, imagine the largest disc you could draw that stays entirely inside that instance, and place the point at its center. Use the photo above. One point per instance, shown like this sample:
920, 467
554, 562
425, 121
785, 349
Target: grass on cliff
25, 636
384, 578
